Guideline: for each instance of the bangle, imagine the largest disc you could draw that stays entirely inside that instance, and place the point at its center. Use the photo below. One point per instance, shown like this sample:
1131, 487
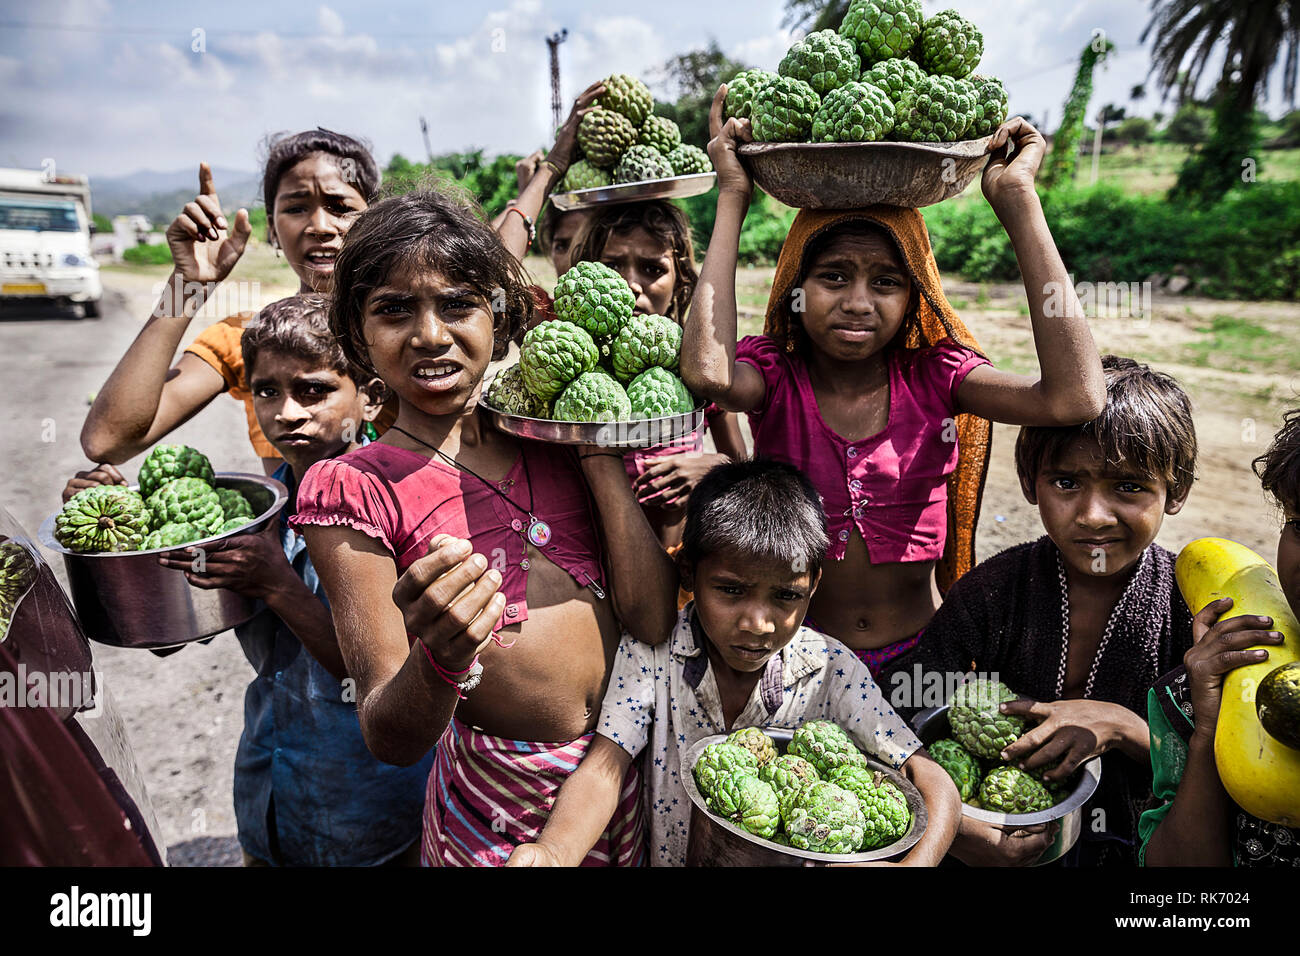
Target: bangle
475, 672
558, 171
532, 230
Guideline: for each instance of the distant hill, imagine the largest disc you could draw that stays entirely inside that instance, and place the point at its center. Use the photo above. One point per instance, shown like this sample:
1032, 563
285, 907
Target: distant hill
161, 195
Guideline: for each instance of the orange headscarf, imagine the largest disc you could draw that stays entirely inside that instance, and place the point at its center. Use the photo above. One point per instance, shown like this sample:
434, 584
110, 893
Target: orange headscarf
934, 320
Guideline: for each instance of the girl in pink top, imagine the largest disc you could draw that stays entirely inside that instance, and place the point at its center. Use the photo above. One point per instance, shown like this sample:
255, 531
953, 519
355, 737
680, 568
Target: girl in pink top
839, 392
473, 599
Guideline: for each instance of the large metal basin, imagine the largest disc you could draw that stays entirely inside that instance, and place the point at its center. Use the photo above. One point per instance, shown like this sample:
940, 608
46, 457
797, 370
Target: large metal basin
718, 842
932, 725
127, 599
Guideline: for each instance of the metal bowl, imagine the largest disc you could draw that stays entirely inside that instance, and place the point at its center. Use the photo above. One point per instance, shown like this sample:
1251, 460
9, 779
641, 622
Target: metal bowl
127, 599
638, 433
718, 842
932, 725
853, 175
677, 187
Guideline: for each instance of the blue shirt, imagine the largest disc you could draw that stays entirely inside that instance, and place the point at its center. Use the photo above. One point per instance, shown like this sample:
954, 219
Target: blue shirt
302, 768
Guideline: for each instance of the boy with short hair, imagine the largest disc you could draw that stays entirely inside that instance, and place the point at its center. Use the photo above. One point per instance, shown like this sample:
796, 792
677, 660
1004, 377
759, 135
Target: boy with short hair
1080, 622
739, 656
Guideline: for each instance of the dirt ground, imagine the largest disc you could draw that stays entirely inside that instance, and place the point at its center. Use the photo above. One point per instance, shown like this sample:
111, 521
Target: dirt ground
184, 712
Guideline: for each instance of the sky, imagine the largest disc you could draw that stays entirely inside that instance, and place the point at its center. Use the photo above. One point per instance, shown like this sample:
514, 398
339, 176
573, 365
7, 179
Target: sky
109, 87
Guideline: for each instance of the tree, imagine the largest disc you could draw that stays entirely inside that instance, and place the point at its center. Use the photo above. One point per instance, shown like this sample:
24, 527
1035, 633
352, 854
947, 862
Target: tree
1135, 129
814, 15
690, 80
1190, 125
1064, 157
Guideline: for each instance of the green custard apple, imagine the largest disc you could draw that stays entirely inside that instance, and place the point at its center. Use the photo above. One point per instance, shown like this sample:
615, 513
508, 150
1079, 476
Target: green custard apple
824, 745
583, 174
719, 758
826, 818
645, 341
233, 504
659, 133
883, 805
882, 29
976, 722
173, 535
824, 60
642, 164
604, 136
757, 742
950, 44
593, 297
593, 396
687, 160
552, 355
783, 111
938, 109
627, 95
747, 801
788, 771
855, 113
960, 765
165, 462
1277, 703
17, 574
741, 89
232, 524
186, 500
103, 518
658, 393
1012, 790
990, 105
509, 394
893, 76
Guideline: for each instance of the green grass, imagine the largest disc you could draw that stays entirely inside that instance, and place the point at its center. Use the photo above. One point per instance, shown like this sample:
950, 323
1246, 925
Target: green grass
1230, 343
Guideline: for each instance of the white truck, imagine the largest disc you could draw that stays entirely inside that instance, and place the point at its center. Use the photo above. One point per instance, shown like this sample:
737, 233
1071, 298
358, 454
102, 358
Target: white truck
45, 240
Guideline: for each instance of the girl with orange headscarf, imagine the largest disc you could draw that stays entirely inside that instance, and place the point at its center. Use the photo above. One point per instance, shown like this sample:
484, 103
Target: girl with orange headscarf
867, 380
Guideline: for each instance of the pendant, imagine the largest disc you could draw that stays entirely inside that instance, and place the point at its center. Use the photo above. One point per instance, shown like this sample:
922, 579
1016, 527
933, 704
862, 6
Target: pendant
539, 532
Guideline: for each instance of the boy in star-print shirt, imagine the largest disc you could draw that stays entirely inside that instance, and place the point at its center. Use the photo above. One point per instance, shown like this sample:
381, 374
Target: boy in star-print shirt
752, 549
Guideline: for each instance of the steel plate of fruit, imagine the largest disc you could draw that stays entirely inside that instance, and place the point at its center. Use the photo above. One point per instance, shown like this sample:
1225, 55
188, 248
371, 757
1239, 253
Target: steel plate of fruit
639, 433
127, 599
716, 841
676, 187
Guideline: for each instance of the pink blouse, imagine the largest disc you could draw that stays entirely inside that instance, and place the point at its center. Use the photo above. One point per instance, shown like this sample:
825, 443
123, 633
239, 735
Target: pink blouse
403, 499
891, 486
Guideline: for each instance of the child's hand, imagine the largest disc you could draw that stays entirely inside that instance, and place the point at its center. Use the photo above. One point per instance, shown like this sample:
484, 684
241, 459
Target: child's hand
202, 249
1220, 648
727, 137
1009, 175
526, 168
99, 475
669, 481
566, 136
533, 854
253, 565
450, 599
985, 844
1071, 731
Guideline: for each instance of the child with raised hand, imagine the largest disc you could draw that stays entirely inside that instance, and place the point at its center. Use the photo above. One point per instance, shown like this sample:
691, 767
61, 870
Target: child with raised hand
1080, 622
1194, 822
474, 599
314, 183
866, 379
739, 656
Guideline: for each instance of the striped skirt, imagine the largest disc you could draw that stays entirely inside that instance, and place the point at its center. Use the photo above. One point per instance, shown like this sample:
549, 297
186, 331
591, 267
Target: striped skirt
486, 795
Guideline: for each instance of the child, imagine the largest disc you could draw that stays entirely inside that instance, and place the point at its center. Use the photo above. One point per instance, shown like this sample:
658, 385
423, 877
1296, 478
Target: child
739, 657
307, 791
1080, 621
1195, 822
314, 184
413, 301
866, 379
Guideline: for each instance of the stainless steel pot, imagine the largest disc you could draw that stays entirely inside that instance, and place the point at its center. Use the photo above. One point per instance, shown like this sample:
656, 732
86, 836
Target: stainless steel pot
637, 433
718, 842
932, 725
127, 599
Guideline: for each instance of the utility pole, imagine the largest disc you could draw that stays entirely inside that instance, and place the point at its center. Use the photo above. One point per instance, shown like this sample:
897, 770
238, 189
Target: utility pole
553, 44
424, 131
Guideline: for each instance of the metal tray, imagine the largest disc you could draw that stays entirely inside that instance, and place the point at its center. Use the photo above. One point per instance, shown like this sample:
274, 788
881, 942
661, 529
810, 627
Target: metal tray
637, 433
718, 842
853, 175
677, 187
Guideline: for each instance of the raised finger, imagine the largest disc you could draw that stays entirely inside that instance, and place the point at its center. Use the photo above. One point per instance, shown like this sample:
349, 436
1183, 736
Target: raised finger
206, 186
715, 111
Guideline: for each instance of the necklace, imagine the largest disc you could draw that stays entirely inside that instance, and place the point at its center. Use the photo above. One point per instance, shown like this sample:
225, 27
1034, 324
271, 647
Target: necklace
1105, 635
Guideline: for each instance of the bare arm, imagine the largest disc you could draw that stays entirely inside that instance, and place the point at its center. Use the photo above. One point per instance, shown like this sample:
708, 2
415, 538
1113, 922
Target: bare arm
943, 807
727, 436
1194, 832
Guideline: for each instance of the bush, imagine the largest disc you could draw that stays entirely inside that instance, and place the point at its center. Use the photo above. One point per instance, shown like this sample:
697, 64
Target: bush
155, 255
1135, 129
1190, 125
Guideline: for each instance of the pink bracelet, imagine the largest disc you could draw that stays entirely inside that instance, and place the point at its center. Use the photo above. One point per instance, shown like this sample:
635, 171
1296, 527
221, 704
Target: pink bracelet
447, 675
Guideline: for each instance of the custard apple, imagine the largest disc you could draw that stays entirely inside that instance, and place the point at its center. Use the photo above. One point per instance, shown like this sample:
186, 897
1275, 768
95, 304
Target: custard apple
783, 111
232, 524
626, 95
593, 297
976, 722
1057, 789
824, 60
716, 759
741, 89
787, 771
509, 394
960, 765
658, 393
725, 794
826, 818
824, 745
756, 742
882, 29
645, 341
17, 574
233, 504
787, 798
882, 803
165, 462
893, 76
173, 535
687, 160
553, 354
747, 801
1011, 790
856, 113
990, 105
104, 518
604, 136
584, 175
661, 133
938, 109
950, 44
593, 396
190, 500
642, 163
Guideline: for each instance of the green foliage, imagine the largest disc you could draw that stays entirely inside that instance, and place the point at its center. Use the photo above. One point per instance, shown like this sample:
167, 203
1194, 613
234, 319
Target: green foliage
102, 223
1135, 129
490, 181
155, 255
1064, 157
1217, 167
1289, 131
691, 79
257, 221
1190, 125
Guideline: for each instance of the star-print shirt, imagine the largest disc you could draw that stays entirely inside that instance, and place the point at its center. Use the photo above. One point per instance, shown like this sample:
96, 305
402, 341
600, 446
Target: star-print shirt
663, 699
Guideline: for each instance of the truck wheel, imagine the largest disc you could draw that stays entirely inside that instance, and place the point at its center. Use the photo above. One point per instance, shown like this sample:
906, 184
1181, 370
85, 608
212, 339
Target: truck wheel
91, 308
